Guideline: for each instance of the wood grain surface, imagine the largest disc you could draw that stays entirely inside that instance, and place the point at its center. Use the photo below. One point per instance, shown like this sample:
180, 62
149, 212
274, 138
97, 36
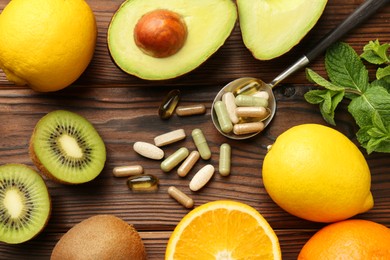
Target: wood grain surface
124, 110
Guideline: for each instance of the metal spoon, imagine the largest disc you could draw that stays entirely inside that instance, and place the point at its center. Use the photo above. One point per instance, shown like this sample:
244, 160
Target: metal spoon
365, 10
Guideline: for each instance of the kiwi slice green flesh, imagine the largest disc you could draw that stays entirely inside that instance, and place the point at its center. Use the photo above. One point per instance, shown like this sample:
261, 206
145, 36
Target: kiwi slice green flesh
24, 203
67, 148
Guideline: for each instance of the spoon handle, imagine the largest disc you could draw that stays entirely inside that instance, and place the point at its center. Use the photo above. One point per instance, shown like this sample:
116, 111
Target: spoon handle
365, 10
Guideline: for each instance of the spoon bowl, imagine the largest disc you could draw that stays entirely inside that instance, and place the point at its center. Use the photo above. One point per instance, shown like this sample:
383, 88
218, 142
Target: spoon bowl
231, 87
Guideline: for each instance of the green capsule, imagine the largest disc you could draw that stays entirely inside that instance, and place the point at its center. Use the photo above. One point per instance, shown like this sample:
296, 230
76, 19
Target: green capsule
224, 159
251, 101
174, 159
201, 144
169, 103
143, 183
224, 121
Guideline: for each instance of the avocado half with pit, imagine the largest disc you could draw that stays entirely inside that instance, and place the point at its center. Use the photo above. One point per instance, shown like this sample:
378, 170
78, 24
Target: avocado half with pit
270, 28
164, 39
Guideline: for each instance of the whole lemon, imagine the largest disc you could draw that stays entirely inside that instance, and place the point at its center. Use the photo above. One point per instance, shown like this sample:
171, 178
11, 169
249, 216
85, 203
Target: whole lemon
316, 173
46, 44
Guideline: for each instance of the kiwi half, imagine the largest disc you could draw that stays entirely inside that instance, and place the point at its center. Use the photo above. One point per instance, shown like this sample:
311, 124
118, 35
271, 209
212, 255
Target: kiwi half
25, 204
67, 148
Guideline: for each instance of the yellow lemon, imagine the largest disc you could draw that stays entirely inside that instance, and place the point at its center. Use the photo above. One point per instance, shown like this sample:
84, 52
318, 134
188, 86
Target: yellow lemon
46, 44
316, 173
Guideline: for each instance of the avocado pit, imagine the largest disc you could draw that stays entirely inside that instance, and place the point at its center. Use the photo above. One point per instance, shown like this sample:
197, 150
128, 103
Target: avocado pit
160, 33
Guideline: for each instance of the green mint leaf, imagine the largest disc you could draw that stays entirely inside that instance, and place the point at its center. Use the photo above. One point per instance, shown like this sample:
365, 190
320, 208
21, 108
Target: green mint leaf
328, 101
383, 73
376, 53
345, 68
316, 78
371, 112
384, 83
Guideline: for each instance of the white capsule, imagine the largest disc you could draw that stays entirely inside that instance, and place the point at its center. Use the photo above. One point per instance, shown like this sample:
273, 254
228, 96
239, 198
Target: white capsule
229, 99
148, 150
170, 137
202, 177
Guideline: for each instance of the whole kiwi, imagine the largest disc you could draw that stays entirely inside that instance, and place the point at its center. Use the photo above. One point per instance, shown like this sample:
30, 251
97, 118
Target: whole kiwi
100, 237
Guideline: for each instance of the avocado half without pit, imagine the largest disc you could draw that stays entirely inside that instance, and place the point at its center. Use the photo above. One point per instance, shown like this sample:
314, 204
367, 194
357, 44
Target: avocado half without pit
164, 39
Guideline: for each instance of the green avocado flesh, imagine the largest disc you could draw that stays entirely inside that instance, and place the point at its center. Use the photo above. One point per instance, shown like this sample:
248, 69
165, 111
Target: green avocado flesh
209, 23
270, 28
24, 203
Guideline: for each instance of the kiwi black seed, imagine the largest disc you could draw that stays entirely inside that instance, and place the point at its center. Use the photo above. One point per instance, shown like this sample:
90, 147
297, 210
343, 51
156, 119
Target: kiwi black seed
67, 148
25, 204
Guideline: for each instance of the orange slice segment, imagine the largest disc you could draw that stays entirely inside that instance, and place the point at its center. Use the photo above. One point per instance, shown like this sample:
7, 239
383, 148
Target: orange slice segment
223, 230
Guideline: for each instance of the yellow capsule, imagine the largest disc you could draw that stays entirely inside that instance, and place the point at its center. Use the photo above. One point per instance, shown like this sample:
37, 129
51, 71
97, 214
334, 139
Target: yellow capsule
143, 183
201, 144
190, 110
169, 103
188, 163
180, 197
248, 88
128, 170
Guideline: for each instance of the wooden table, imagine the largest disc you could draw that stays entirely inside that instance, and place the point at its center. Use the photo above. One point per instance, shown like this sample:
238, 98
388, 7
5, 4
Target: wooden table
124, 110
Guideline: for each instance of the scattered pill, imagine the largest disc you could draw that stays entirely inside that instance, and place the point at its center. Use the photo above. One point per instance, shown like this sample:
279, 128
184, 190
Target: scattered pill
202, 177
143, 183
248, 128
126, 171
259, 112
262, 94
250, 101
174, 159
169, 103
201, 144
248, 88
224, 159
190, 110
148, 150
180, 197
223, 117
188, 163
229, 99
170, 137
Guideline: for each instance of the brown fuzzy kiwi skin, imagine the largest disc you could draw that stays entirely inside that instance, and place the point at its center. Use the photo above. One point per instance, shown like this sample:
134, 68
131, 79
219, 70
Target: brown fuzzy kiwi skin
100, 237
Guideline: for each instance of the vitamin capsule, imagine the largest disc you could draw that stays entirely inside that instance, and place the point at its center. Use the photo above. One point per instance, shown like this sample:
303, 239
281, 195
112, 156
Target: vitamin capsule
223, 117
202, 177
250, 101
259, 112
201, 144
229, 99
180, 197
148, 150
169, 103
170, 137
143, 183
248, 128
248, 88
224, 159
188, 163
262, 94
126, 171
174, 159
197, 109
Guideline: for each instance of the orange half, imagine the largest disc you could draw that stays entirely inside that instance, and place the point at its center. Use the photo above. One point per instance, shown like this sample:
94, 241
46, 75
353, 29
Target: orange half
223, 230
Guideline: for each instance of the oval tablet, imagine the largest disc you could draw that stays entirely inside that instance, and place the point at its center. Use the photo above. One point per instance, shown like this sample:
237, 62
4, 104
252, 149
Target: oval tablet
148, 150
202, 177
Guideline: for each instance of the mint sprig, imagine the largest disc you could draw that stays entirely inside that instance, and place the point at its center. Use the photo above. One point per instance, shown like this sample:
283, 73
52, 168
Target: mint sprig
349, 78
